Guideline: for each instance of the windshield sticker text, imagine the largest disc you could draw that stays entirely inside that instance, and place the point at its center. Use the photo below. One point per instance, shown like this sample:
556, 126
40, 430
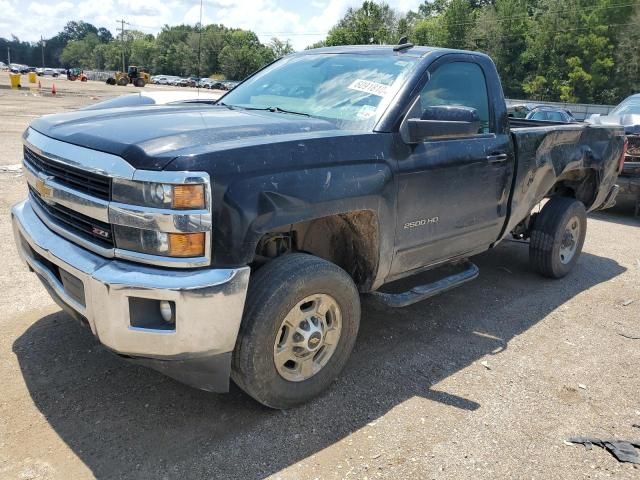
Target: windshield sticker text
372, 88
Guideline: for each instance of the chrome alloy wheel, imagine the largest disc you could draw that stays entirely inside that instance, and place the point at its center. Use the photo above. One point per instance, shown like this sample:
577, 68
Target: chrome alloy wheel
570, 240
307, 338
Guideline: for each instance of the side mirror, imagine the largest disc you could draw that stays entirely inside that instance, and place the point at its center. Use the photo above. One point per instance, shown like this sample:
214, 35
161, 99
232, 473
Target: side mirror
444, 122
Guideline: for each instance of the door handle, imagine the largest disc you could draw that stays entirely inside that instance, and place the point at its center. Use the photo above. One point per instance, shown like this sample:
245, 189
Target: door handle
497, 157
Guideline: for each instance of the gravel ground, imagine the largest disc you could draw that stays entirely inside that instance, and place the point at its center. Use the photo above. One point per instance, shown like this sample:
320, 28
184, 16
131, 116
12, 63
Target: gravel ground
486, 381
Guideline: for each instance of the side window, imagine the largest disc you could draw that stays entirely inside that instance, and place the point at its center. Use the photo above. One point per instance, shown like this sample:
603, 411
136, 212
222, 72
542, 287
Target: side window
556, 117
458, 83
539, 116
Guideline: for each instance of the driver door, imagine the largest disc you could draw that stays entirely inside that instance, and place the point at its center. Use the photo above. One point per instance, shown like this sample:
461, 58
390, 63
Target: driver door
453, 193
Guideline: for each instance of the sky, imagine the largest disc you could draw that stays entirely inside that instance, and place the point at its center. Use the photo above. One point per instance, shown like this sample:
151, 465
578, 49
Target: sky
303, 22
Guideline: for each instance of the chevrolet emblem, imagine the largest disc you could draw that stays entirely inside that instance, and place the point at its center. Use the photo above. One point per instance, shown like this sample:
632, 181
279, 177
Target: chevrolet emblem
43, 189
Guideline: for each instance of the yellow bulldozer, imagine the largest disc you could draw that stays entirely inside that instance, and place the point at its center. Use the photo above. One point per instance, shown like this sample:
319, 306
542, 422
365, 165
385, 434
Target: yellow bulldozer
138, 76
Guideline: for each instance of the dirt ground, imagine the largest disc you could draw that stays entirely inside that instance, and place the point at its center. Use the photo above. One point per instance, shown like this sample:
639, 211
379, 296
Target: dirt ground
484, 382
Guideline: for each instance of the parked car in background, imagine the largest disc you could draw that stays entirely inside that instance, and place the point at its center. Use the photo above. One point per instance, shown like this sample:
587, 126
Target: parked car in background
551, 114
205, 83
47, 72
627, 115
3, 66
18, 68
186, 82
520, 110
230, 84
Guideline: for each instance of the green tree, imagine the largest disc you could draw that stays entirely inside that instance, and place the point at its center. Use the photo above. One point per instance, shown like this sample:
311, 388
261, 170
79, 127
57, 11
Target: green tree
280, 48
80, 53
372, 23
501, 31
627, 56
143, 51
243, 55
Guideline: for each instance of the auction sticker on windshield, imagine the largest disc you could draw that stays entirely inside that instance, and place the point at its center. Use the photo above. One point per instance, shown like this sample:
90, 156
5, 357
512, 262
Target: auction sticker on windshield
367, 86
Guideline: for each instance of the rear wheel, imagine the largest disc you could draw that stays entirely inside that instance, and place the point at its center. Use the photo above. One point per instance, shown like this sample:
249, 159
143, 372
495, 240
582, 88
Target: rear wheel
139, 82
123, 81
557, 237
298, 330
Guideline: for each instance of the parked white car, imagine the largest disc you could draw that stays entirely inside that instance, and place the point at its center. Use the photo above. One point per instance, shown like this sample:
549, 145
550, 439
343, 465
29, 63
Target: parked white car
47, 71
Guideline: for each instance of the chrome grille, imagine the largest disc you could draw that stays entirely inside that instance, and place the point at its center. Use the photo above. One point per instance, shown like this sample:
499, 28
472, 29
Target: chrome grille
95, 230
83, 181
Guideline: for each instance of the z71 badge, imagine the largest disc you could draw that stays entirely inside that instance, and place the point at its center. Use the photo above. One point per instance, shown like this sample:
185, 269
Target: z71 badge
422, 222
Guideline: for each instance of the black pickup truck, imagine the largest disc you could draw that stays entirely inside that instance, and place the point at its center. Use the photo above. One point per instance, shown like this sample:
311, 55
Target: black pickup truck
233, 240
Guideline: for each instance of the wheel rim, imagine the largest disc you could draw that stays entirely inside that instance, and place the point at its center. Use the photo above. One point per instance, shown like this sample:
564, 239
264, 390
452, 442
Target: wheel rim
570, 238
307, 337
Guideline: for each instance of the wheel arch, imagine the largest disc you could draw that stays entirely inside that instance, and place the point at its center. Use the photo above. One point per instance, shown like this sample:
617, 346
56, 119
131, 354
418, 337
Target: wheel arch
579, 184
350, 240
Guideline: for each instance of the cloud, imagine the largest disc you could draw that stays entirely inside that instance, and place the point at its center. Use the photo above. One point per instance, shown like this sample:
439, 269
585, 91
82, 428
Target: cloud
302, 22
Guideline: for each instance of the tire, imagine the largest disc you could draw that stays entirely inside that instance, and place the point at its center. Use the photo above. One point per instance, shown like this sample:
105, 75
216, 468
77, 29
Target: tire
139, 82
278, 289
555, 244
123, 81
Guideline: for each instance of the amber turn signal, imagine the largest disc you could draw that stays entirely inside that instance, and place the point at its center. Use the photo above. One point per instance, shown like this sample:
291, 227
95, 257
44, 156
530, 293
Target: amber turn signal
188, 196
186, 244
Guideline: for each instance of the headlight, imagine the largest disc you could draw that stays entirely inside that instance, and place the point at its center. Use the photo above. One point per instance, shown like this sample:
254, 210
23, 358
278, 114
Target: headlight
160, 243
159, 195
166, 214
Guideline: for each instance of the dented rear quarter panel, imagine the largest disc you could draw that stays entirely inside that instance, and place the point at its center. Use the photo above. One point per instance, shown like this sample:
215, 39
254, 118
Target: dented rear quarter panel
545, 155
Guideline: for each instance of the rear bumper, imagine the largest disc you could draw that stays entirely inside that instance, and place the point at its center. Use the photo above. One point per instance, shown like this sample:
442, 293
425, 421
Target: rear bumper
629, 184
111, 294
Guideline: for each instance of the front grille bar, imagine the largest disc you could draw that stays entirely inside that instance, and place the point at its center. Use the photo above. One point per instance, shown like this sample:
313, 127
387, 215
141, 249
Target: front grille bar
78, 223
86, 182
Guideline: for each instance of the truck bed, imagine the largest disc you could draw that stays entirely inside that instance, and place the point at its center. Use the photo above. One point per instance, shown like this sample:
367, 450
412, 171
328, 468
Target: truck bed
582, 157
526, 123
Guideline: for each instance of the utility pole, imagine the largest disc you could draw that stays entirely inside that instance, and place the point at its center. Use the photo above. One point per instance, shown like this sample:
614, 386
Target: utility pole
42, 45
122, 22
8, 56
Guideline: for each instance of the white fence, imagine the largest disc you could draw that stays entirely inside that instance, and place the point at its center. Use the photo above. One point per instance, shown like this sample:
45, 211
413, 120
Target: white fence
100, 76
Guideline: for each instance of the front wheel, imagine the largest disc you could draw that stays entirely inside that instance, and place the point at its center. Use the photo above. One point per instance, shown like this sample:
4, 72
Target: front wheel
557, 237
300, 324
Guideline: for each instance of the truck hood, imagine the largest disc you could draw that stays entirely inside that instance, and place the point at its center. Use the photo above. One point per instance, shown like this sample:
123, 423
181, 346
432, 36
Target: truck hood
630, 122
150, 137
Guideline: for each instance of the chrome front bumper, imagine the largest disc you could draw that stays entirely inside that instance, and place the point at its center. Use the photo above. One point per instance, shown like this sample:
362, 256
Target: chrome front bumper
208, 302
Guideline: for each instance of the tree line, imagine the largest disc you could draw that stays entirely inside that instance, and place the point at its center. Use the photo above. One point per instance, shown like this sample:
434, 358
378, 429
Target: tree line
569, 50
182, 50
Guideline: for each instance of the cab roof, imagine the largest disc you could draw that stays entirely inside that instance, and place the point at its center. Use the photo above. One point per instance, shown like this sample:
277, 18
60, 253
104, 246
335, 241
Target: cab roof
413, 50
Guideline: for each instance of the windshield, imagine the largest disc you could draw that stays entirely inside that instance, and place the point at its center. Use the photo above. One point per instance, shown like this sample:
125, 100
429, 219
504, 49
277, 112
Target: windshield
349, 90
630, 106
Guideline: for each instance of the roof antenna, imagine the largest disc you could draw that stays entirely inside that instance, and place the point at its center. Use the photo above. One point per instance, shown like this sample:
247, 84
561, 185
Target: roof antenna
403, 44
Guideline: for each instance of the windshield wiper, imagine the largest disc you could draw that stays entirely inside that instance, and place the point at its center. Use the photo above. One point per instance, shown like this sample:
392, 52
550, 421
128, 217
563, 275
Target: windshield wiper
276, 110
